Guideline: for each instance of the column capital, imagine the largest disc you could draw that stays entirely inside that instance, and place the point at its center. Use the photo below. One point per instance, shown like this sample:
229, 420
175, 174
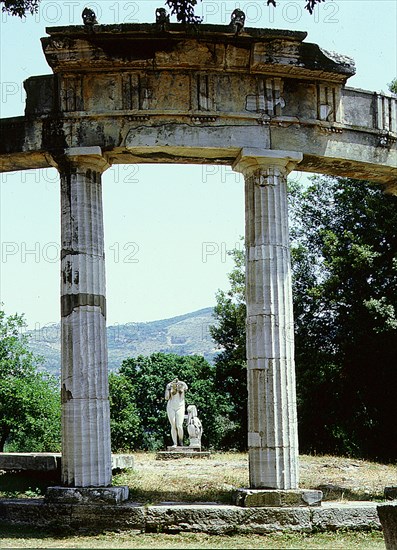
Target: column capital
251, 159
83, 157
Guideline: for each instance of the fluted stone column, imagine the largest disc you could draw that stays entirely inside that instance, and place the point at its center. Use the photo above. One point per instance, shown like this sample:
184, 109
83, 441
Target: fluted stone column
86, 454
272, 418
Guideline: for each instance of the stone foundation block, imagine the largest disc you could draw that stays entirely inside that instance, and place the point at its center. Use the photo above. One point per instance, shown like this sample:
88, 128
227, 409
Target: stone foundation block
388, 518
225, 520
278, 497
48, 462
354, 516
40, 462
196, 517
81, 495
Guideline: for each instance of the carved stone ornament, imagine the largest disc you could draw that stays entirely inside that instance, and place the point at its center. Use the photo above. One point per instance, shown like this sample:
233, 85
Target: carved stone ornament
237, 20
162, 18
89, 17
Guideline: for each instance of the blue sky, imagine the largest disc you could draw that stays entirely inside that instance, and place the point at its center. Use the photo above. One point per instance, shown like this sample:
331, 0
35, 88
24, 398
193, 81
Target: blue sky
166, 227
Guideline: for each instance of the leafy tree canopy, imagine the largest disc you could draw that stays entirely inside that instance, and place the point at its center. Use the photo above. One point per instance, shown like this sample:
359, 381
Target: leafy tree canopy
184, 11
345, 300
20, 7
29, 399
230, 363
125, 423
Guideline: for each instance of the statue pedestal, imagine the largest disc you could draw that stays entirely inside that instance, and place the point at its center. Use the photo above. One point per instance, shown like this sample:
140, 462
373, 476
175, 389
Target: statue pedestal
182, 452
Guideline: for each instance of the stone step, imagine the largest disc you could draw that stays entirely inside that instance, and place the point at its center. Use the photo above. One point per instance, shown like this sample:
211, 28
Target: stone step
47, 462
196, 517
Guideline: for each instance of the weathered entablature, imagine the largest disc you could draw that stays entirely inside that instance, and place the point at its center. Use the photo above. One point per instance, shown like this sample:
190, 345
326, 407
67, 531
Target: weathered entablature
142, 95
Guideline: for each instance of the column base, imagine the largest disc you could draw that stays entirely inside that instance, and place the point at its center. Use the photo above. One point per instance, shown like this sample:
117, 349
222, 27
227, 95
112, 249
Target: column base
278, 497
87, 495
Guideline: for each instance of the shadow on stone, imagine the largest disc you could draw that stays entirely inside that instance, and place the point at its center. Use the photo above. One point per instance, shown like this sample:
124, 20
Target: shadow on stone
338, 492
215, 496
28, 481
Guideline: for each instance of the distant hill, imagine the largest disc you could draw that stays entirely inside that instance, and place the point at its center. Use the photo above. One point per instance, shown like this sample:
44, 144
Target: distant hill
184, 335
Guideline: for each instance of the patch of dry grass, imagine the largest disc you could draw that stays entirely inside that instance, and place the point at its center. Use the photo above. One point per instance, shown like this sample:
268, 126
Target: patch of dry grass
212, 479
215, 479
339, 540
347, 478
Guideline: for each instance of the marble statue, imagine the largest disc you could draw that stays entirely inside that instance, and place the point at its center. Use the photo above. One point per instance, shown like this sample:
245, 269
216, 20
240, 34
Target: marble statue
175, 396
194, 427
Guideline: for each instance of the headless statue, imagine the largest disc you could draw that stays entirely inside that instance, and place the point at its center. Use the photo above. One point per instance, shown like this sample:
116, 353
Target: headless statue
175, 396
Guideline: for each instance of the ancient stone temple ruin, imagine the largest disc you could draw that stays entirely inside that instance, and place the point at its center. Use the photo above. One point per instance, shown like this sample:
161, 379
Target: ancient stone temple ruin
263, 101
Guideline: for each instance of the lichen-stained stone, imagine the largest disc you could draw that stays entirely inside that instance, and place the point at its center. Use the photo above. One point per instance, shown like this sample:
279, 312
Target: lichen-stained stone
70, 518
196, 517
127, 78
87, 495
277, 497
345, 515
223, 520
41, 462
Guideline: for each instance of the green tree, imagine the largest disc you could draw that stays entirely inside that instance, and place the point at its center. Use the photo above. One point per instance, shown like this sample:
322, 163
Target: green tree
345, 299
149, 375
20, 7
184, 11
344, 259
124, 419
231, 367
29, 399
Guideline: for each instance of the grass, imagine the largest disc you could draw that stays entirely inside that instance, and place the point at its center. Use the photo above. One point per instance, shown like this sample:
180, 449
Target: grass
343, 540
212, 479
216, 478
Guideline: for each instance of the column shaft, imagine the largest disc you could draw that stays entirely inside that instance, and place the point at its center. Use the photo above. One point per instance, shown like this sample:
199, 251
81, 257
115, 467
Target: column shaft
86, 454
272, 417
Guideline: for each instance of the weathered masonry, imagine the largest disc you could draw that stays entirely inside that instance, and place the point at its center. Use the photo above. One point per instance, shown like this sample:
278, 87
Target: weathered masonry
264, 102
